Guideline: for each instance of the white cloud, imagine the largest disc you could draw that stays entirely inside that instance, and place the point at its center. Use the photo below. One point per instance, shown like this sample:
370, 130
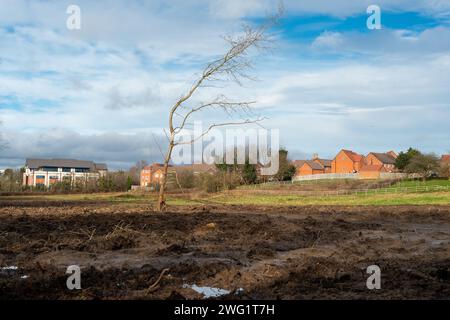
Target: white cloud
114, 80
328, 40
119, 151
403, 43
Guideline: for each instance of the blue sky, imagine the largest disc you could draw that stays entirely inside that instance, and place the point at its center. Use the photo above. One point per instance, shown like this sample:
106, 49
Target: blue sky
103, 92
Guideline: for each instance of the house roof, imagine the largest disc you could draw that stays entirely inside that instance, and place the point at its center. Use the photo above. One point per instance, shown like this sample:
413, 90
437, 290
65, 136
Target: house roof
372, 167
101, 166
313, 165
384, 157
353, 155
325, 162
392, 153
298, 163
64, 163
154, 166
445, 157
196, 168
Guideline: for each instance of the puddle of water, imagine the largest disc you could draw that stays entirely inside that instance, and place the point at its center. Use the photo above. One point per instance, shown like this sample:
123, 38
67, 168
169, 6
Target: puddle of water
9, 268
439, 243
208, 292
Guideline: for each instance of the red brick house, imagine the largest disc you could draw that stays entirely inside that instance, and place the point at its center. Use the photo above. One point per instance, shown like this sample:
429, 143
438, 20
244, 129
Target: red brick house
387, 160
310, 167
298, 163
347, 161
371, 171
151, 175
314, 166
325, 163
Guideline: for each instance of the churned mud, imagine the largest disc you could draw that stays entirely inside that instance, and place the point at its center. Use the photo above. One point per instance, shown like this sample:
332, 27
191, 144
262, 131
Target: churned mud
127, 251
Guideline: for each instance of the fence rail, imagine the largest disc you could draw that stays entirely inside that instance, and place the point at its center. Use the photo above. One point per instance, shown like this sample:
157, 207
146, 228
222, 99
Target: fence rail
326, 176
388, 190
355, 192
335, 176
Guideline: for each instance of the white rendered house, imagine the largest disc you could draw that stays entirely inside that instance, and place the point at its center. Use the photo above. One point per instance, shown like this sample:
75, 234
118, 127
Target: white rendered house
45, 172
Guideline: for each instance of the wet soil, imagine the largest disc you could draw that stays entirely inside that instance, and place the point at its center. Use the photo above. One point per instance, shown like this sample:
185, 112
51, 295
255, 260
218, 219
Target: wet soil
254, 252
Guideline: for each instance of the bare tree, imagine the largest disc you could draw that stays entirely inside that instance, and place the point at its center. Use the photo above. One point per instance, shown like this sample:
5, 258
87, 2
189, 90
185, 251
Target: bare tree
233, 66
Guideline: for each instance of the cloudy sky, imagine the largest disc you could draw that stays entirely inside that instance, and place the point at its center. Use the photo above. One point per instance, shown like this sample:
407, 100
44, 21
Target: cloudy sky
103, 92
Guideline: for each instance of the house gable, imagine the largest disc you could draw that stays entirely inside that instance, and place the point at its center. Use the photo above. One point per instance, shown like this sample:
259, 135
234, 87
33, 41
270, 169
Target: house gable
347, 161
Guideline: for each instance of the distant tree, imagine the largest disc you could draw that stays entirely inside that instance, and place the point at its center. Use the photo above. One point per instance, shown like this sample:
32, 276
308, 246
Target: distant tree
11, 180
249, 173
129, 182
445, 170
286, 170
246, 173
135, 171
185, 179
404, 158
424, 164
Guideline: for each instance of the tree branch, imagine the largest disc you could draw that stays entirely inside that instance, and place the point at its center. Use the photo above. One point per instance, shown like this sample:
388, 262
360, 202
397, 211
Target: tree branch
219, 125
227, 106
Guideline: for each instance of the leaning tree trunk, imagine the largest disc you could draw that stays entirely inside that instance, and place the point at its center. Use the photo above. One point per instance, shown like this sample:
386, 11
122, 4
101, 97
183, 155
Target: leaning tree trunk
162, 189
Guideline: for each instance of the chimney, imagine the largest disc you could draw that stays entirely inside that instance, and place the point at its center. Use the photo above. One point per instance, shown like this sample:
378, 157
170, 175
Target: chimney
315, 156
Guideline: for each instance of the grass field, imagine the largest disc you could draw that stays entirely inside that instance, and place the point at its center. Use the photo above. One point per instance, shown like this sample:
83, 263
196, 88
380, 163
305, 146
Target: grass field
404, 194
413, 183
440, 198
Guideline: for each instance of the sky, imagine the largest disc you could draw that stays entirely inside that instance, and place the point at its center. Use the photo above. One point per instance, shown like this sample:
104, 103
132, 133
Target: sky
103, 92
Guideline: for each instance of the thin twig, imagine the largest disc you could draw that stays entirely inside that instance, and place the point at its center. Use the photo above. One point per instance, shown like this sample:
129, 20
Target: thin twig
153, 287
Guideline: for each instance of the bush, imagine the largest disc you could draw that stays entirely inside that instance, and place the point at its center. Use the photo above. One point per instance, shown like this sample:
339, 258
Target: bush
186, 179
426, 165
404, 158
209, 183
445, 170
218, 181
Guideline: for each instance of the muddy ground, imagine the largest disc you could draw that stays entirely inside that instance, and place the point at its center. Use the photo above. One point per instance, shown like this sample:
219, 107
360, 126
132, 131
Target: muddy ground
254, 252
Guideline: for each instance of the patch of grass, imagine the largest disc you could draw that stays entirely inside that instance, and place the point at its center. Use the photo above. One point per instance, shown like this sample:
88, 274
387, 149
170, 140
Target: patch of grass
442, 198
421, 183
394, 195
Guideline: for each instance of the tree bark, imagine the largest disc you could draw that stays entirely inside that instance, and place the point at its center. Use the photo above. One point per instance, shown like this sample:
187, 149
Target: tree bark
162, 189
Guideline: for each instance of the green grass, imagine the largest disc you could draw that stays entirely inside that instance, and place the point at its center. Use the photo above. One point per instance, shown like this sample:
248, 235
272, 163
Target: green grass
440, 198
402, 193
414, 183
115, 197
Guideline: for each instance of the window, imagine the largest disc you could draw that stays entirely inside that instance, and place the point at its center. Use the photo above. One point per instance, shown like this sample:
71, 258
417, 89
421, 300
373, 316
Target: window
50, 169
81, 170
65, 169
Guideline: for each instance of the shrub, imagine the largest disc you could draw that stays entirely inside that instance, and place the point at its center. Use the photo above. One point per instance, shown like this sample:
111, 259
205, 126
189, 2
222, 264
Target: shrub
186, 179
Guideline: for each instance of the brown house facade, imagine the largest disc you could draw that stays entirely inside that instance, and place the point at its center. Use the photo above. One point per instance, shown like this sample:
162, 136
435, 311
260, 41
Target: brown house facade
325, 163
387, 160
347, 161
151, 175
371, 171
313, 166
310, 167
